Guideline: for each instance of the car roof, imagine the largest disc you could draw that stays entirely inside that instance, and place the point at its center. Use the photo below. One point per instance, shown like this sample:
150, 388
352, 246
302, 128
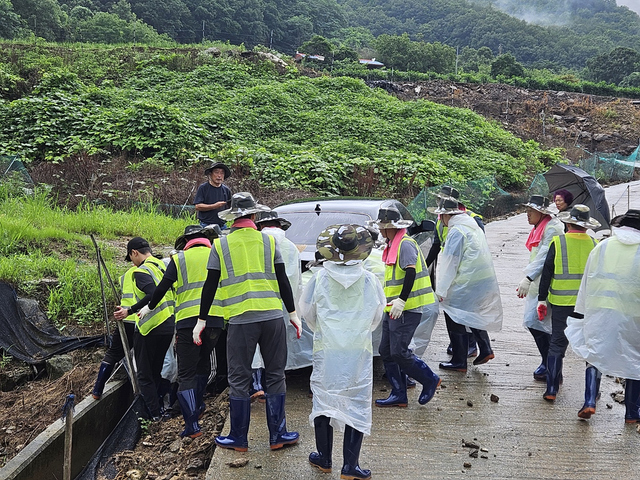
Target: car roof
366, 206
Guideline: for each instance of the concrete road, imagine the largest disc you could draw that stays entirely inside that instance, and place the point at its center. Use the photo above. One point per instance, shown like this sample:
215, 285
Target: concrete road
521, 435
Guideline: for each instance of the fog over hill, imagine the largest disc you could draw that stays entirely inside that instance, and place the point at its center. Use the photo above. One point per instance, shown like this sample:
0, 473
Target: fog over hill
632, 4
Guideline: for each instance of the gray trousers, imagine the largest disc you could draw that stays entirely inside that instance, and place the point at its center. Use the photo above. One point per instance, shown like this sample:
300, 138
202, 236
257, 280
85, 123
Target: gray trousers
241, 346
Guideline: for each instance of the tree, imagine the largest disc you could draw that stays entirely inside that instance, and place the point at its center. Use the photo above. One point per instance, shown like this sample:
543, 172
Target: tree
318, 45
507, 66
9, 20
44, 18
631, 80
614, 66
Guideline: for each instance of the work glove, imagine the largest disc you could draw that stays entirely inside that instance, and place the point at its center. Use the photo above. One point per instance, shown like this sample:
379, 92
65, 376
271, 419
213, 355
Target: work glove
295, 321
397, 307
523, 288
542, 310
197, 330
440, 299
144, 311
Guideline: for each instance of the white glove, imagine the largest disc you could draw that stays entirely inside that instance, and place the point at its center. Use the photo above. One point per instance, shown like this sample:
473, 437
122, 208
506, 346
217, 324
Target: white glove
523, 288
197, 330
397, 307
144, 311
295, 321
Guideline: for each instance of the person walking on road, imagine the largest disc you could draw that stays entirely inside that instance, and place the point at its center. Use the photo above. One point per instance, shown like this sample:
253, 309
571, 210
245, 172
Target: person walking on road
561, 275
407, 287
247, 272
342, 304
154, 328
195, 339
213, 196
608, 334
545, 227
466, 287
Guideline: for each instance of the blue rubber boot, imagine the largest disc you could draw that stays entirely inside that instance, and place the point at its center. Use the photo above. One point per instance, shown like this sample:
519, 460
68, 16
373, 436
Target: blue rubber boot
554, 374
591, 387
542, 340
239, 416
324, 443
201, 387
277, 423
256, 392
398, 395
632, 401
104, 373
187, 400
351, 454
423, 374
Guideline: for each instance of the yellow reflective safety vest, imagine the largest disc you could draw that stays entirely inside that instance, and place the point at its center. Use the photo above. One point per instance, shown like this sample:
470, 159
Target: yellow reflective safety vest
247, 273
191, 265
613, 268
572, 251
128, 298
442, 229
421, 293
155, 268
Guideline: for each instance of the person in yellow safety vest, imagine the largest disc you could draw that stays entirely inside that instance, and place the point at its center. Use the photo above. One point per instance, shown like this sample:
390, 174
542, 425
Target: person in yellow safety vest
115, 352
559, 283
195, 341
608, 337
438, 245
248, 276
545, 227
467, 286
407, 288
154, 332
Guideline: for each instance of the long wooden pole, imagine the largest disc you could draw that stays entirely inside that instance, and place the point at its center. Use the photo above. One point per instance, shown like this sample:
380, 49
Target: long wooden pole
67, 413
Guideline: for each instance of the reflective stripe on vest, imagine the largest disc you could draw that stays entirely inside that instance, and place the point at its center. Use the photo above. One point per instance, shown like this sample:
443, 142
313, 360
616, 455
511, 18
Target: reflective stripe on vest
421, 292
128, 298
192, 273
617, 269
572, 251
155, 269
441, 230
247, 273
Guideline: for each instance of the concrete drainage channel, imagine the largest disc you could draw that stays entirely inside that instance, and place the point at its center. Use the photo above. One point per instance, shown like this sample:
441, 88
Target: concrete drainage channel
93, 421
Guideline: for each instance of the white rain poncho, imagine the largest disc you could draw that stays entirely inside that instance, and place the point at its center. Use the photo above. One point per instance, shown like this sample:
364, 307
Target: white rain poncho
608, 337
466, 279
534, 271
291, 257
343, 305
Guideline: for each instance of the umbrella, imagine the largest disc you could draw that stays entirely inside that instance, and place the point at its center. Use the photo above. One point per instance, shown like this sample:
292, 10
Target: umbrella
585, 189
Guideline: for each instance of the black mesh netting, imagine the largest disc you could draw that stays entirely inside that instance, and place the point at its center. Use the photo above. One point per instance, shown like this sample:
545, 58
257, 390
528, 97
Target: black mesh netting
124, 437
27, 334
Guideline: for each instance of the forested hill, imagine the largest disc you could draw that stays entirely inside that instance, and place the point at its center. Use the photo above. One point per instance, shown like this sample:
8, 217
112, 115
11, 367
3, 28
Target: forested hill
542, 33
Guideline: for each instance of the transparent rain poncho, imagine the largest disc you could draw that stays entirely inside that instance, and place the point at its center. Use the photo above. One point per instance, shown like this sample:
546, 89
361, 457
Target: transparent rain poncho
608, 337
466, 279
342, 305
534, 270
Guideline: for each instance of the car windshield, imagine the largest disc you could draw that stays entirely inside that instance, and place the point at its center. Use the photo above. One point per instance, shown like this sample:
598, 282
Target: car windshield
306, 226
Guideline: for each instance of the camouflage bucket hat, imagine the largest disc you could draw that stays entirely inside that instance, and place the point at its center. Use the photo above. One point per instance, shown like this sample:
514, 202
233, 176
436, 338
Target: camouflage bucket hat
345, 244
242, 204
579, 215
446, 206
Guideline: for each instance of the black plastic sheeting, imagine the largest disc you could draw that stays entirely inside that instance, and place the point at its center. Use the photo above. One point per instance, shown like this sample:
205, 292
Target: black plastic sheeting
27, 334
124, 437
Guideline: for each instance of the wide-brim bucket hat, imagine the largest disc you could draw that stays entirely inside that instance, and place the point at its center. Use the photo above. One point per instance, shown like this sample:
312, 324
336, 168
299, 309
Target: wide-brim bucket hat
539, 203
392, 214
629, 219
242, 203
579, 215
345, 244
272, 216
227, 171
447, 206
447, 191
194, 231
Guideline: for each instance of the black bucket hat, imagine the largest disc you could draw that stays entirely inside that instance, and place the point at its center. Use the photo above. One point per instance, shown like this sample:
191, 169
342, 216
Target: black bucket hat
136, 243
539, 203
272, 216
227, 172
196, 231
629, 219
447, 206
448, 191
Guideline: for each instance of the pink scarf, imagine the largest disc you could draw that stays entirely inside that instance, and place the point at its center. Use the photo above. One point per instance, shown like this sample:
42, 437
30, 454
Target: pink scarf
244, 223
390, 253
536, 233
197, 241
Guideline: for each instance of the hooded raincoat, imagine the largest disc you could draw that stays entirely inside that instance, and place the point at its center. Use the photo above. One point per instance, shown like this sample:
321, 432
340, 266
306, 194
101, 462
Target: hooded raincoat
343, 305
466, 279
608, 337
534, 271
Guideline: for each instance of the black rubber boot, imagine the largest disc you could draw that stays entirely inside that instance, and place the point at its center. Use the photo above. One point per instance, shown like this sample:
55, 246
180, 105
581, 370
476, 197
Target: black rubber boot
554, 374
324, 444
542, 340
104, 373
632, 401
351, 454
485, 352
460, 344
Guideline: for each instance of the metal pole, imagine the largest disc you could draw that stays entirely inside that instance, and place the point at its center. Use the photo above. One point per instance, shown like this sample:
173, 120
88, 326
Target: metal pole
123, 334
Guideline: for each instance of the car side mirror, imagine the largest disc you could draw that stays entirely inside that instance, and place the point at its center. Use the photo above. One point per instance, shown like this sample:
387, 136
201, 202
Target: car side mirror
427, 226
